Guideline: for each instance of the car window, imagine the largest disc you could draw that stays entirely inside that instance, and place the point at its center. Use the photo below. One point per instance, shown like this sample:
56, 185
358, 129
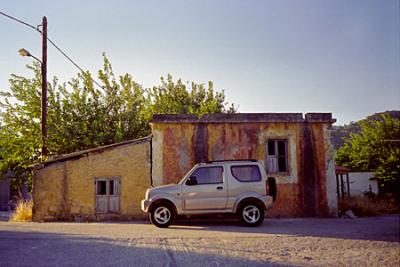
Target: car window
246, 173
208, 175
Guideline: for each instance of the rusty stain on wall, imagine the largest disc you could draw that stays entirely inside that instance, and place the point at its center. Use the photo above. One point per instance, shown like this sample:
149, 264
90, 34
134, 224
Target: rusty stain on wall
302, 191
64, 187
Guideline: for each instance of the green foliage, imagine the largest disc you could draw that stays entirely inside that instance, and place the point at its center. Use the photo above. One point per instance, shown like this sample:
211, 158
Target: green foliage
376, 148
172, 98
342, 132
81, 116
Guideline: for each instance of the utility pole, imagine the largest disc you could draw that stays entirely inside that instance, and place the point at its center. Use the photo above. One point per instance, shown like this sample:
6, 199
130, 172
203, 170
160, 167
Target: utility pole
44, 88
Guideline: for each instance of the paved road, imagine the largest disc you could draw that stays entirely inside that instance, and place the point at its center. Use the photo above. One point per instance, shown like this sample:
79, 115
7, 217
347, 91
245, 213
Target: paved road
277, 242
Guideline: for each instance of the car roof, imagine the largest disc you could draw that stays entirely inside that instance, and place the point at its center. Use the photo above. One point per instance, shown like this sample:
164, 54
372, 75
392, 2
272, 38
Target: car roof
233, 160
221, 162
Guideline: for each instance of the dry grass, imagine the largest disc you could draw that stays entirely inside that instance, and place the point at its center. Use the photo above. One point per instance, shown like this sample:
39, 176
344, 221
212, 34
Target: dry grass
363, 206
23, 212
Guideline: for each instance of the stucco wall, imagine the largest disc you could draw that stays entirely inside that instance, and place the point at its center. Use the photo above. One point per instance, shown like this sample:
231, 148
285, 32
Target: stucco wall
229, 141
66, 189
360, 182
308, 189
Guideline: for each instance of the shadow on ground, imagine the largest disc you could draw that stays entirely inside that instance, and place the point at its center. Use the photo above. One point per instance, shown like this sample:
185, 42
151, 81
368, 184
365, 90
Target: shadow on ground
381, 228
49, 249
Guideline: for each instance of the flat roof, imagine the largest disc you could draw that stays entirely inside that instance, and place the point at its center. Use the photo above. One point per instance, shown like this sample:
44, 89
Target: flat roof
243, 118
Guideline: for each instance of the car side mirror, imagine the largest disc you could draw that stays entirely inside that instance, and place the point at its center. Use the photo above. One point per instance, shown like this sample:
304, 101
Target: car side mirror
192, 180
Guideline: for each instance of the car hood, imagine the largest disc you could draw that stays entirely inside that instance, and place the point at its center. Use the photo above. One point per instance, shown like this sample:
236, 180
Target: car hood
163, 189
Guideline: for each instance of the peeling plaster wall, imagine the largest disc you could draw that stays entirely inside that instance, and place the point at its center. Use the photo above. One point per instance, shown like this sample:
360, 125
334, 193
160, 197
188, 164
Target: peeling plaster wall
306, 190
173, 152
48, 193
330, 172
157, 145
66, 190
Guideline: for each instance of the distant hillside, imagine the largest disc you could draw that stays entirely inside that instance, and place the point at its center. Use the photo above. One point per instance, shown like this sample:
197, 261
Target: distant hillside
339, 133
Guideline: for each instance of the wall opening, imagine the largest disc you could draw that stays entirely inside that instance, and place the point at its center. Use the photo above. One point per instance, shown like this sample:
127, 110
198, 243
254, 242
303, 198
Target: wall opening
277, 156
107, 195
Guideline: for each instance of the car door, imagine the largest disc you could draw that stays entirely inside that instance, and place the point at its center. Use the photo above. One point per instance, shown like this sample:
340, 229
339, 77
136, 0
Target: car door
209, 192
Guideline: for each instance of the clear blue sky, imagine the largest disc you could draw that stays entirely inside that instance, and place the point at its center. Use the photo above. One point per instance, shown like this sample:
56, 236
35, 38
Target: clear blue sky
340, 56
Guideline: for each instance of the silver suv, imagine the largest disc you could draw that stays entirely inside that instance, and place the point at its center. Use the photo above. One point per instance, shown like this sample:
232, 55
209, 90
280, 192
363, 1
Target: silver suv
239, 187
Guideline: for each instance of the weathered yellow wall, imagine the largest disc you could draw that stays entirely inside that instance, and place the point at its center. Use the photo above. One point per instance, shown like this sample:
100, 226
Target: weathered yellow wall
48, 191
76, 199
173, 155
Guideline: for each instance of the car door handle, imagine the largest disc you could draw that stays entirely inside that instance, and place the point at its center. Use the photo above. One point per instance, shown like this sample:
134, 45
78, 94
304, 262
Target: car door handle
219, 188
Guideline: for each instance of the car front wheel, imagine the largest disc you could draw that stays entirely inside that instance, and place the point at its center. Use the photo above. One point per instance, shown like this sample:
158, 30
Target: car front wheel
251, 214
162, 215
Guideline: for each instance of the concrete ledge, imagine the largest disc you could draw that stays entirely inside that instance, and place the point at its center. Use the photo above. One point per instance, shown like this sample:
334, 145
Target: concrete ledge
319, 117
243, 118
228, 118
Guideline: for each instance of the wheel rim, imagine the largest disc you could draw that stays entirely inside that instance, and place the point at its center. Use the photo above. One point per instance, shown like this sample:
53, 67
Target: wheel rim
162, 215
251, 214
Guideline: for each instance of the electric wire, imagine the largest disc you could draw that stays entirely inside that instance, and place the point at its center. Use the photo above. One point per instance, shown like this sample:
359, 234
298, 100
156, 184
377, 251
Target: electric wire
51, 42
20, 21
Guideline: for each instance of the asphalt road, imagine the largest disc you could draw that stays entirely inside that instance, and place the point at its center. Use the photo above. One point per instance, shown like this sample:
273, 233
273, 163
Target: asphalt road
277, 242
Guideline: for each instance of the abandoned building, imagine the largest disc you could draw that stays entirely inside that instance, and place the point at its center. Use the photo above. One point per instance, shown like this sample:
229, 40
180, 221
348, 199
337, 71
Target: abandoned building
101, 183
109, 182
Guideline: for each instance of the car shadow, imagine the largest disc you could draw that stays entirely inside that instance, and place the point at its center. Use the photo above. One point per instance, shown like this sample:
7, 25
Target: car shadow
380, 228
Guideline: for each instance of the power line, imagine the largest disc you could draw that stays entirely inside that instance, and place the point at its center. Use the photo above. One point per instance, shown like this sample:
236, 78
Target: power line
76, 65
51, 41
20, 21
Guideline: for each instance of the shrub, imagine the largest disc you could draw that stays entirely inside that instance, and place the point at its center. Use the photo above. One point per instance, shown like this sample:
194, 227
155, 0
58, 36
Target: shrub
23, 212
363, 206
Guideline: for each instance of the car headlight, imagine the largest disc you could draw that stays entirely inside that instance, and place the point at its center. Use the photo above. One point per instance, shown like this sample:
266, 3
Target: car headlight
148, 193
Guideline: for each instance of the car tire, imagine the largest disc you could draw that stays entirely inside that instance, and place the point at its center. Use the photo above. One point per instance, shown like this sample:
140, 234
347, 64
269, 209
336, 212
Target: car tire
162, 215
251, 214
272, 187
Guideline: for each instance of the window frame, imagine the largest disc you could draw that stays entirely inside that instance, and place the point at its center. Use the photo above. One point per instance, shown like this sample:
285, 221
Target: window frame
247, 165
108, 196
277, 156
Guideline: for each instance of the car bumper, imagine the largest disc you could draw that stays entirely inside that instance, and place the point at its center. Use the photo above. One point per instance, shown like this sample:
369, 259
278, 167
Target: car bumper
145, 204
268, 202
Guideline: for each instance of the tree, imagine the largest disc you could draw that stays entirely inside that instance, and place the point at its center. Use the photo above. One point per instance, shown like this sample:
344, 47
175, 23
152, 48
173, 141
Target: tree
178, 98
377, 149
81, 116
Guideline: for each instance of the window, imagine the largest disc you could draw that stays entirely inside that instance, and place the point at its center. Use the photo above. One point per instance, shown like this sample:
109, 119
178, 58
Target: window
107, 194
277, 156
208, 175
246, 173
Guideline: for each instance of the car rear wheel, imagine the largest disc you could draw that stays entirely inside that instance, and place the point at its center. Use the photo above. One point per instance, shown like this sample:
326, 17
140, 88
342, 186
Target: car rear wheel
251, 214
162, 215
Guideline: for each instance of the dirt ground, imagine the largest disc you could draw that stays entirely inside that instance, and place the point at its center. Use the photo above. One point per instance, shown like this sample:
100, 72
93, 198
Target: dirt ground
370, 241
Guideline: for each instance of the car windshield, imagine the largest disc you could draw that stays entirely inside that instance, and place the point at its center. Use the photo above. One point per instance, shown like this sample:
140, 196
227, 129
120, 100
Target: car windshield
187, 174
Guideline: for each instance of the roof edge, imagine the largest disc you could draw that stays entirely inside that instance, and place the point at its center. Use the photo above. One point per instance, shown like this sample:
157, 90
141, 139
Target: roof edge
243, 118
72, 155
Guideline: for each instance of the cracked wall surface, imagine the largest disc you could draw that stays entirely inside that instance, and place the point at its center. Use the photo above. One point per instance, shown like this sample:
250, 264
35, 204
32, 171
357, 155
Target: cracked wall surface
180, 141
65, 190
64, 187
